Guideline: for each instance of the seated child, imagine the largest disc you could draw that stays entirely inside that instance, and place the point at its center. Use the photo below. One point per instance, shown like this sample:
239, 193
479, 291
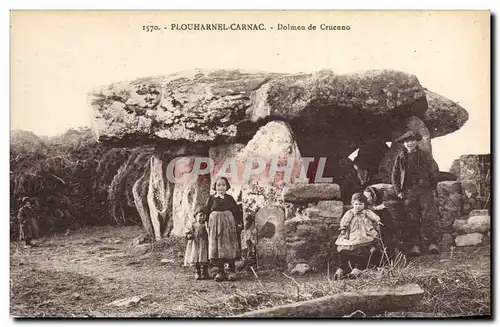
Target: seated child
358, 237
197, 247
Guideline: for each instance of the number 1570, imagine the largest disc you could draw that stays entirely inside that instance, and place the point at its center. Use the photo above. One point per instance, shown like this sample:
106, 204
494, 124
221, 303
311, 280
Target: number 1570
150, 28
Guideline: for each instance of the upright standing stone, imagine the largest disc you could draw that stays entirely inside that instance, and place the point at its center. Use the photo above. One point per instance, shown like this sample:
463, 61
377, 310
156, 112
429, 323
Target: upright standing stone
272, 142
220, 156
140, 192
157, 197
189, 194
271, 236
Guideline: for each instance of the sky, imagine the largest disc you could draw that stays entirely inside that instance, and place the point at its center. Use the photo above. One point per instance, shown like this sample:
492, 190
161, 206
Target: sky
58, 57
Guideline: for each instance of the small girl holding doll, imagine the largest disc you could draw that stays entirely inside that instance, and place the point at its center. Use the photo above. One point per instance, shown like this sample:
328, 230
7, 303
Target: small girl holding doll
358, 237
224, 220
197, 247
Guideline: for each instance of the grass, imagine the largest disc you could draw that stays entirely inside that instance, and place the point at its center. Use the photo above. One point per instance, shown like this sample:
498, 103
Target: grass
77, 275
450, 292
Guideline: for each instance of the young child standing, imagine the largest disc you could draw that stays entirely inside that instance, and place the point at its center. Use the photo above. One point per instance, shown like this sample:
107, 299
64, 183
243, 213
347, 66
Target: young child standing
197, 247
224, 219
358, 237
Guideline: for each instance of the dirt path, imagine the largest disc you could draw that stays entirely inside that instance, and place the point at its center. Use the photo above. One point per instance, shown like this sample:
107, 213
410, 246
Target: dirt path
108, 267
79, 274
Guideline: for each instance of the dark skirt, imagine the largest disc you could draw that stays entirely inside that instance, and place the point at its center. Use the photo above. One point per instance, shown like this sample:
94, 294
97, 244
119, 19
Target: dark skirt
222, 236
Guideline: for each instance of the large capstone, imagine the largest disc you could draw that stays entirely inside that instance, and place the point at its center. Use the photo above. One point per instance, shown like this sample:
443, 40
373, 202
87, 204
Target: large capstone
325, 110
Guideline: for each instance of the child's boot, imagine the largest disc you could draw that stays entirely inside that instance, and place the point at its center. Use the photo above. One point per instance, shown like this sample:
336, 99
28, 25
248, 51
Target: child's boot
433, 249
197, 275
339, 274
232, 271
220, 273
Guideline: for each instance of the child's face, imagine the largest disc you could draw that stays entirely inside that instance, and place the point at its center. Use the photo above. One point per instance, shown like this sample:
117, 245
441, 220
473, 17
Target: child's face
410, 144
220, 186
358, 205
200, 218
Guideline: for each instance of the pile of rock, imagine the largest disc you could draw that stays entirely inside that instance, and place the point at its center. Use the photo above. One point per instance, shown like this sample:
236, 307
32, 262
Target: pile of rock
473, 231
312, 220
475, 178
449, 204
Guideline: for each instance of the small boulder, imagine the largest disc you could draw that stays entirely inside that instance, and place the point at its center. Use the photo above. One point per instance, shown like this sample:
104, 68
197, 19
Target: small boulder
127, 302
460, 225
479, 212
304, 193
469, 239
479, 224
141, 249
139, 240
301, 269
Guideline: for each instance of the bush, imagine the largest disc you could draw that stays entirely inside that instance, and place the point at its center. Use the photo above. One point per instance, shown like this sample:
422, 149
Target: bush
70, 177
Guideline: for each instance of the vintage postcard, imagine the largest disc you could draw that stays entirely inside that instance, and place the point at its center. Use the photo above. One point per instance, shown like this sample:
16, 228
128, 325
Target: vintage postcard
250, 164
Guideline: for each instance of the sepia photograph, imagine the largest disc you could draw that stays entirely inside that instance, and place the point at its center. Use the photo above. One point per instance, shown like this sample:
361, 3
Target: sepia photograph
250, 164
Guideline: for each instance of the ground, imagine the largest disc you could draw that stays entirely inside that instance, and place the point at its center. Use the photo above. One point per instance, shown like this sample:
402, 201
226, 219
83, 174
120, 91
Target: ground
78, 274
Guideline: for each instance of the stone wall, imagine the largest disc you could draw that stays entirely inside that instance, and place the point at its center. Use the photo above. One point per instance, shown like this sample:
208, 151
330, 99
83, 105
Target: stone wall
475, 178
312, 220
474, 230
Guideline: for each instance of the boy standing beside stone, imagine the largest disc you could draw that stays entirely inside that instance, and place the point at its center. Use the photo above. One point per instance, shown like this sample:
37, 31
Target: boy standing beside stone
415, 177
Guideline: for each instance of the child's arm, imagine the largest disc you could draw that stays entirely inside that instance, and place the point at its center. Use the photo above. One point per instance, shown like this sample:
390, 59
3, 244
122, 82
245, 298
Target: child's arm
189, 233
373, 217
345, 222
379, 207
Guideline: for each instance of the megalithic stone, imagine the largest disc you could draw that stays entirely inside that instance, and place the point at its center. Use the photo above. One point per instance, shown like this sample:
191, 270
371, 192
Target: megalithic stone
140, 191
157, 196
271, 237
190, 193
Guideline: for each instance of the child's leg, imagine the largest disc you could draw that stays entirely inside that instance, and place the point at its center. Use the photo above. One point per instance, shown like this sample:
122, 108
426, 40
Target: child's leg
197, 274
346, 260
232, 270
232, 265
204, 271
369, 256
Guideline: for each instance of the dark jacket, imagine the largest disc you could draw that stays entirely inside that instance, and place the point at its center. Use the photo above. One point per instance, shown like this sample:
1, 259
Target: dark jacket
427, 167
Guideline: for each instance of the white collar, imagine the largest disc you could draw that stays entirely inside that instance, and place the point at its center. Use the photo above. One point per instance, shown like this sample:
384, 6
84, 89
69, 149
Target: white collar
217, 195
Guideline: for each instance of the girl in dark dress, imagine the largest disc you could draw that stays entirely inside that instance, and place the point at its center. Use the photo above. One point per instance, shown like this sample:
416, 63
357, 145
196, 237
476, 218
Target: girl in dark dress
223, 223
